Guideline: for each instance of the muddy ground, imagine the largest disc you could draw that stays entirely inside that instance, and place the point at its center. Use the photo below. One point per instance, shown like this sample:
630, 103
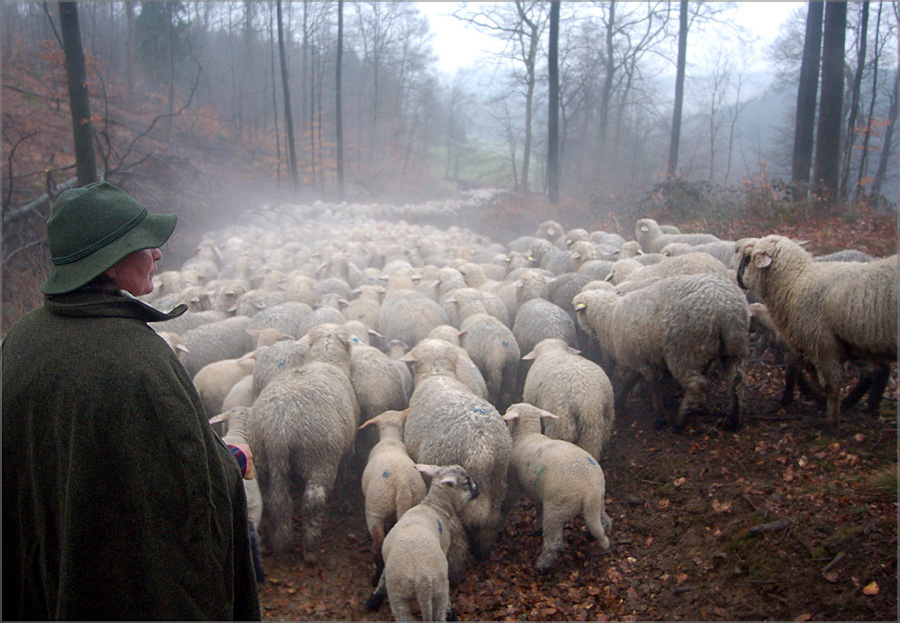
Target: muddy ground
777, 521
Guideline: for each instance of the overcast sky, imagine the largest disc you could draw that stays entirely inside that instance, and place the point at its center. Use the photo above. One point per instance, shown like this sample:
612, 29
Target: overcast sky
457, 44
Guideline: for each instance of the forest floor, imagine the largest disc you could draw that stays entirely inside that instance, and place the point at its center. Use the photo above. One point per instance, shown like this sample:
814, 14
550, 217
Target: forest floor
777, 521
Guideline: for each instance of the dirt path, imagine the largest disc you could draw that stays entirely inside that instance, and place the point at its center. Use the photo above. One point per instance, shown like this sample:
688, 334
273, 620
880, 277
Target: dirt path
777, 521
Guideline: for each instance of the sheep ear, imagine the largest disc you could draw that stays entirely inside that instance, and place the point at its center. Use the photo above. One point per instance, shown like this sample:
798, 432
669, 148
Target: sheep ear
518, 283
374, 333
427, 470
580, 306
529, 356
182, 348
510, 415
408, 357
549, 415
303, 340
222, 417
803, 243
368, 422
762, 260
450, 299
574, 351
461, 334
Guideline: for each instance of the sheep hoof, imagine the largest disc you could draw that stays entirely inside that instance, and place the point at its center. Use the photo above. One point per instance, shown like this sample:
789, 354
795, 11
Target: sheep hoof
374, 601
451, 615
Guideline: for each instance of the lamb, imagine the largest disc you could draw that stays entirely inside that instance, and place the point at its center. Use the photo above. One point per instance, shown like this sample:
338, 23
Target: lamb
576, 390
416, 549
652, 239
538, 318
448, 424
408, 316
830, 312
723, 250
278, 358
236, 433
214, 380
687, 264
560, 478
303, 423
391, 483
466, 370
365, 306
492, 347
685, 325
224, 339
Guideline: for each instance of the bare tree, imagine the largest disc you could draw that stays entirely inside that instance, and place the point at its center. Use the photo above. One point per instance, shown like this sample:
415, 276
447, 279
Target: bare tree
854, 101
292, 150
672, 162
520, 25
553, 107
82, 124
338, 109
828, 133
804, 127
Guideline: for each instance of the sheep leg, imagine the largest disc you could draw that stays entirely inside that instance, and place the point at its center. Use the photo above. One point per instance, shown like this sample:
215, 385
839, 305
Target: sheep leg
871, 382
377, 597
554, 522
538, 519
312, 509
734, 379
695, 389
277, 523
597, 521
628, 380
377, 531
832, 408
880, 378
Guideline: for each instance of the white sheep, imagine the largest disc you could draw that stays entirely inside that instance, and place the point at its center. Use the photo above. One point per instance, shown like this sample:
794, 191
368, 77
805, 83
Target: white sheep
574, 389
391, 483
687, 325
415, 550
560, 478
652, 238
829, 312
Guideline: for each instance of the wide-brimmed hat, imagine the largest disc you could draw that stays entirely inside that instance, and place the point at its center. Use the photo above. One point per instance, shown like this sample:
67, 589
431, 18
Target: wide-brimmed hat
93, 227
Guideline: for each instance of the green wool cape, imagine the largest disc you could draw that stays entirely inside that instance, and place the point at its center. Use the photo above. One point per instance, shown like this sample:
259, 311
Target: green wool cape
119, 500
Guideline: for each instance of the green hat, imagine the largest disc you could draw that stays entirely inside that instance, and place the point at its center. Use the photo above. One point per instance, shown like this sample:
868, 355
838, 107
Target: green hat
93, 227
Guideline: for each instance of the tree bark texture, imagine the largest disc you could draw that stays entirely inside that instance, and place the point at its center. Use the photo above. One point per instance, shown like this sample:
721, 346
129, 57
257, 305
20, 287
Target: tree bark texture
672, 163
553, 107
338, 114
831, 102
82, 126
854, 101
289, 123
804, 128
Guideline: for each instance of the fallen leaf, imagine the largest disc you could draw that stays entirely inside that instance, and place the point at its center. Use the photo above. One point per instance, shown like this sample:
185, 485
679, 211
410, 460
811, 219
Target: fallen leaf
871, 589
803, 617
664, 503
679, 481
721, 507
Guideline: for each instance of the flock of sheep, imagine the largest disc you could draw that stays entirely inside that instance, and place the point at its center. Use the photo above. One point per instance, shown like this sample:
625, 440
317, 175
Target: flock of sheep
450, 374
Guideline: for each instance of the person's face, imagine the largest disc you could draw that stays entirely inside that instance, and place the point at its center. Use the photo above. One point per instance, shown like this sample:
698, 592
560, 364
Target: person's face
134, 272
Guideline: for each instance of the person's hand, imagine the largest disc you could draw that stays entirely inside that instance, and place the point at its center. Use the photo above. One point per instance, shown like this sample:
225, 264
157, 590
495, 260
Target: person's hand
248, 471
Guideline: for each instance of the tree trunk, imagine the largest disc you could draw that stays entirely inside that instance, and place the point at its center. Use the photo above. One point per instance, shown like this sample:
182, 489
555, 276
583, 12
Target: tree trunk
828, 133
854, 101
82, 126
864, 157
804, 128
606, 94
338, 113
886, 145
553, 106
672, 163
274, 99
292, 151
170, 52
129, 53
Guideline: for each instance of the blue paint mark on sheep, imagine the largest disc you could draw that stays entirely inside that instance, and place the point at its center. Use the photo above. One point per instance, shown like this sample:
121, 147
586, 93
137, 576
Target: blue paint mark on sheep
591, 461
440, 527
282, 364
386, 474
505, 344
480, 410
